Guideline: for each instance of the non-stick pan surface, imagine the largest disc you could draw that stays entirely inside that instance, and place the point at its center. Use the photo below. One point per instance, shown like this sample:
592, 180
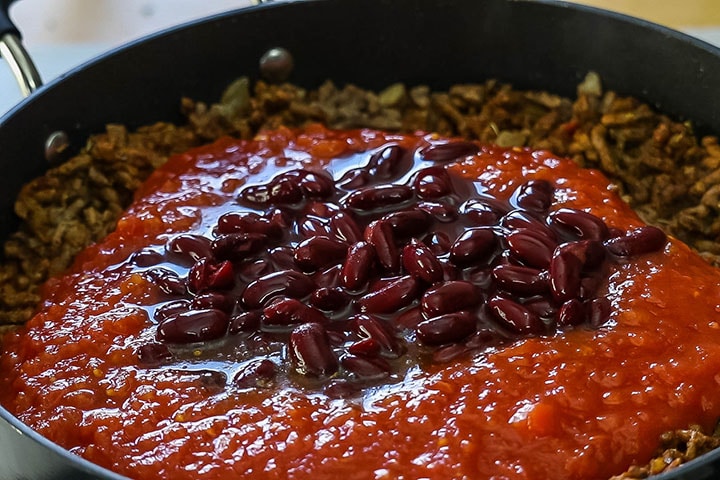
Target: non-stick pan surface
531, 44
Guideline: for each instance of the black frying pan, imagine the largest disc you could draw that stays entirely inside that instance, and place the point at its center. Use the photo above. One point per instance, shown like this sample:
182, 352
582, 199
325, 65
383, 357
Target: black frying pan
531, 44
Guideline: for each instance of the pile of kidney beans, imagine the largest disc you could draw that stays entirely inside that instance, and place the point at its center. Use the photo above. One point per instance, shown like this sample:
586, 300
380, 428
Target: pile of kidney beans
345, 277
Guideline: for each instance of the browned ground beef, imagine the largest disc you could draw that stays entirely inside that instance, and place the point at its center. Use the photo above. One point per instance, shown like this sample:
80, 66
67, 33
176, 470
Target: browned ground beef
661, 168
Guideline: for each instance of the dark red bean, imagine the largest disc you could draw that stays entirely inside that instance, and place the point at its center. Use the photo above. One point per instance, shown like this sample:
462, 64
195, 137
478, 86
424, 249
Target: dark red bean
409, 223
638, 242
590, 253
578, 225
519, 219
447, 152
482, 338
286, 283
245, 322
248, 222
226, 303
409, 319
439, 243
515, 317
154, 354
385, 163
589, 286
565, 270
391, 297
448, 328
367, 347
205, 275
345, 228
358, 264
167, 281
442, 212
250, 271
541, 306
259, 373
238, 246
366, 368
193, 326
598, 311
473, 246
283, 258
320, 209
521, 281
432, 182
329, 278
319, 252
280, 217
354, 179
571, 313
378, 197
450, 297
189, 248
449, 352
313, 184
421, 263
146, 258
282, 190
171, 308
370, 327
289, 311
310, 351
531, 247
534, 195
480, 213
329, 299
380, 235
312, 227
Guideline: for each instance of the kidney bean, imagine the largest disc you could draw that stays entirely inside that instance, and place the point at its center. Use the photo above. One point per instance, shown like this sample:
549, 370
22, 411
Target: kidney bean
313, 184
370, 327
421, 263
167, 281
565, 269
541, 306
571, 313
534, 195
482, 338
310, 351
345, 228
283, 190
366, 368
378, 197
447, 328
256, 373
521, 281
514, 316
193, 326
598, 311
329, 299
323, 210
154, 354
288, 283
354, 179
189, 248
449, 352
329, 278
289, 311
205, 275
385, 163
319, 252
245, 322
442, 212
409, 223
473, 246
379, 234
638, 242
146, 258
366, 347
447, 152
576, 224
432, 182
589, 286
312, 227
280, 217
251, 270
531, 247
409, 319
358, 264
248, 222
450, 297
226, 303
391, 297
171, 308
237, 246
438, 242
480, 213
283, 258
519, 219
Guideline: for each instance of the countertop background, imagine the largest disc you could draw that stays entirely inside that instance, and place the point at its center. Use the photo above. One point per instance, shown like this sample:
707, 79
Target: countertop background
61, 34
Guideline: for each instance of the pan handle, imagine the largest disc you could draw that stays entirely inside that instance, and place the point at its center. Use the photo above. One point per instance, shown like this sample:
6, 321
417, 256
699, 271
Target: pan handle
12, 50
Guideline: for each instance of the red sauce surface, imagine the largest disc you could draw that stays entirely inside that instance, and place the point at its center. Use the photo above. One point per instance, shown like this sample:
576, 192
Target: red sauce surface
581, 404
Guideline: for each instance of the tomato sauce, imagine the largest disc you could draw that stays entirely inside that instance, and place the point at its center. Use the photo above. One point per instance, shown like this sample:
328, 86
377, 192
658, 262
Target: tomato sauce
581, 404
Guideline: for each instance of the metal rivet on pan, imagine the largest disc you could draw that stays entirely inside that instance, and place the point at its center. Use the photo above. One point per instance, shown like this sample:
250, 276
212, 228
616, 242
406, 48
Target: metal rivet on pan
276, 65
56, 143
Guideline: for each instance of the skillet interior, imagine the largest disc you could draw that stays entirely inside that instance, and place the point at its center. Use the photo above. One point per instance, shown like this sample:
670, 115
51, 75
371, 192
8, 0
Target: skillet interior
435, 42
